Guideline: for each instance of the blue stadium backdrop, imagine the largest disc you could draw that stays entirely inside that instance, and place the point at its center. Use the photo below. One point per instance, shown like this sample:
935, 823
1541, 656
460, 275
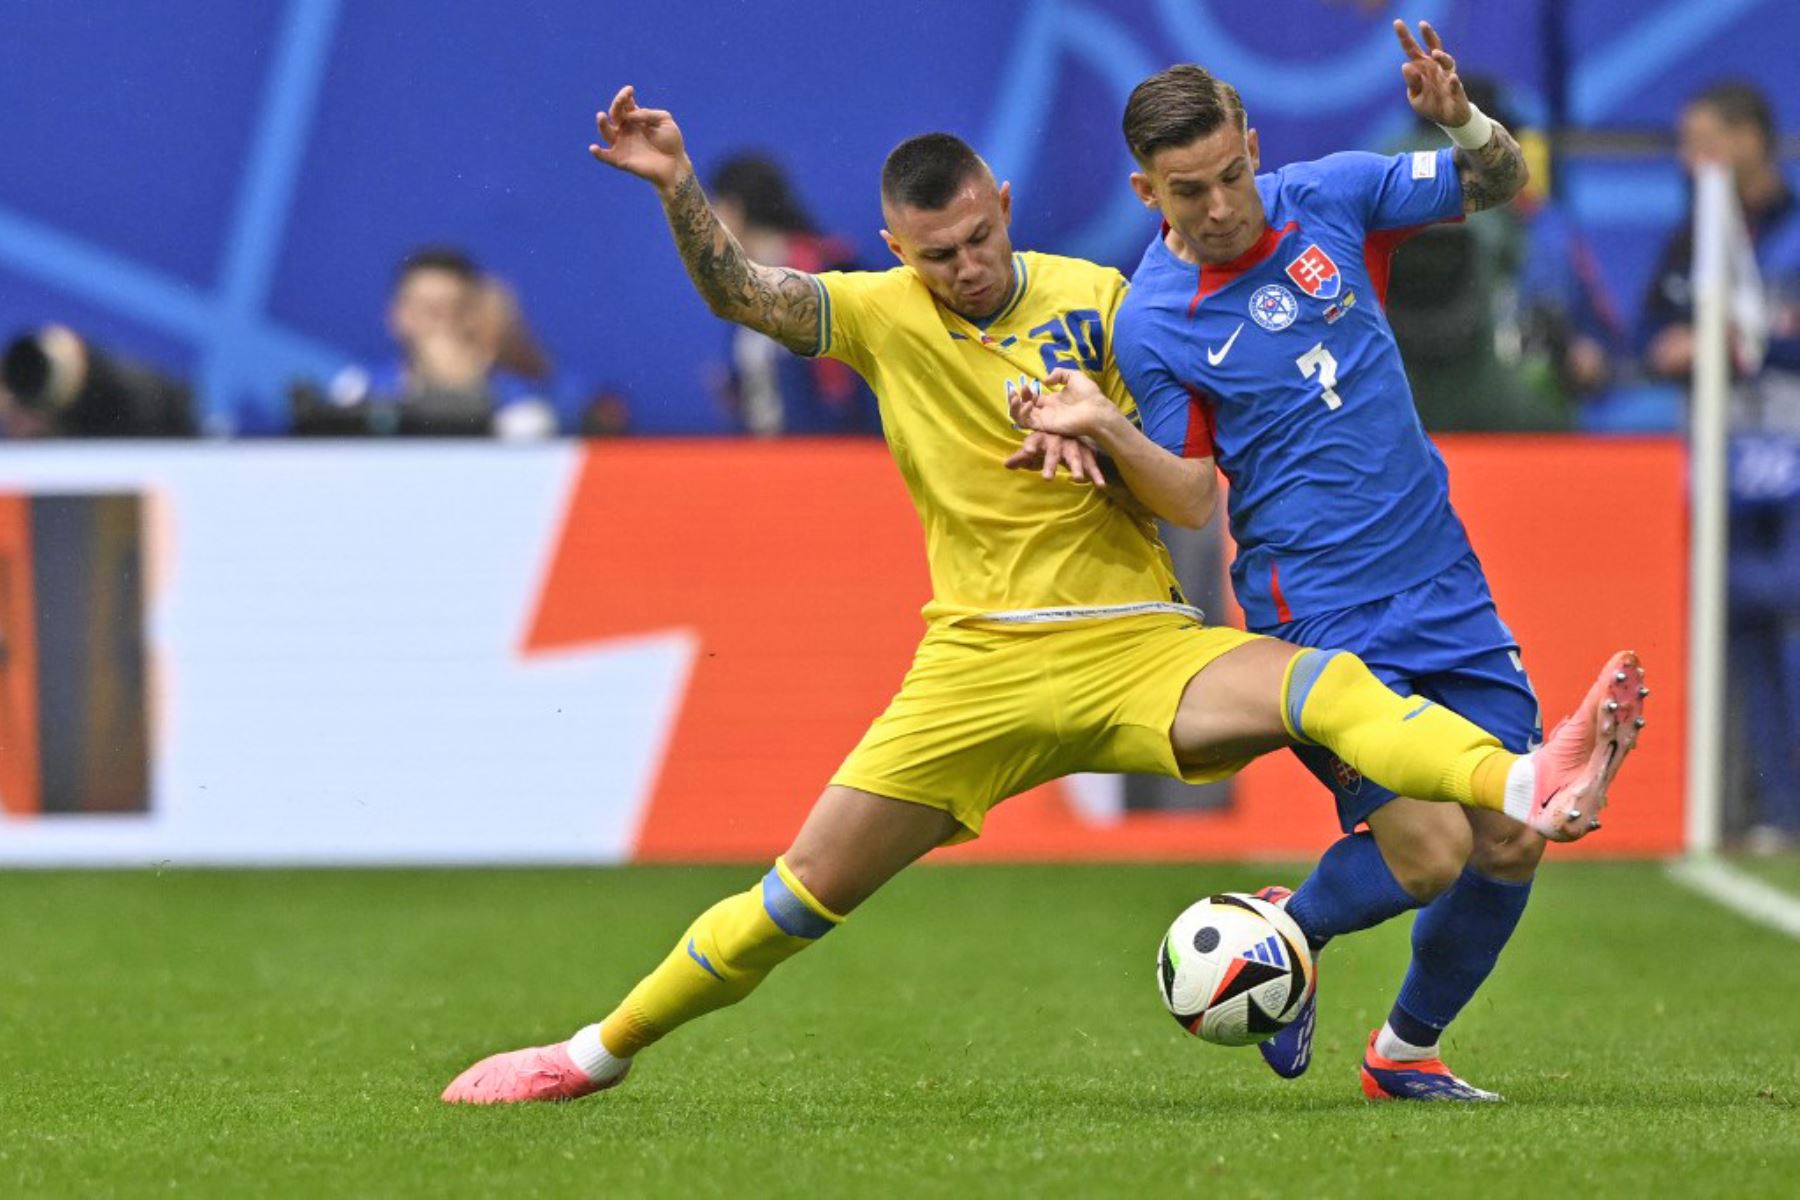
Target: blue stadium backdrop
224, 188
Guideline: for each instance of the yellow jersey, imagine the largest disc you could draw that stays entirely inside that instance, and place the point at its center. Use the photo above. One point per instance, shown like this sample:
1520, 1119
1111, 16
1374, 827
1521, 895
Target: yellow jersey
1003, 546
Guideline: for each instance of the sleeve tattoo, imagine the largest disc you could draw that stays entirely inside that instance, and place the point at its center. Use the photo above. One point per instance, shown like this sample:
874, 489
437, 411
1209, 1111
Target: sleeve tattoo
777, 301
1493, 174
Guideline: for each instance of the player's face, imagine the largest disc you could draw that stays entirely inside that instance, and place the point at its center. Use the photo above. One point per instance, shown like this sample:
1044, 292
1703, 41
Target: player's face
962, 251
1206, 191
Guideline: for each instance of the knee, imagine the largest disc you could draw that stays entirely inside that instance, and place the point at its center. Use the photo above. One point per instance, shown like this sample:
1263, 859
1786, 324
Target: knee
824, 879
1426, 866
1510, 855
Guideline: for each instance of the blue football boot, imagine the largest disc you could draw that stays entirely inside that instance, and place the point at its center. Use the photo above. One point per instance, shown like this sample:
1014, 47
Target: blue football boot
1428, 1079
1289, 1052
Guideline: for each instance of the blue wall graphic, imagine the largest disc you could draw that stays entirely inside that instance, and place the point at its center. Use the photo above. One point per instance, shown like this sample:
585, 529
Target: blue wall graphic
224, 188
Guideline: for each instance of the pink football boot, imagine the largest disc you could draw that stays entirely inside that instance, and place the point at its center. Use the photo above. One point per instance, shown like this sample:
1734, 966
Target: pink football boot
535, 1073
1573, 768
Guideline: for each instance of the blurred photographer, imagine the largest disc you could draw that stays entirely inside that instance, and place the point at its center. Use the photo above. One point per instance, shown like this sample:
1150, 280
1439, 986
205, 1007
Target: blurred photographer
54, 384
467, 365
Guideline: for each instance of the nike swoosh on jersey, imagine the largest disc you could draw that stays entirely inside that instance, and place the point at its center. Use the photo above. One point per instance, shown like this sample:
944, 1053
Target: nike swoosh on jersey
1214, 359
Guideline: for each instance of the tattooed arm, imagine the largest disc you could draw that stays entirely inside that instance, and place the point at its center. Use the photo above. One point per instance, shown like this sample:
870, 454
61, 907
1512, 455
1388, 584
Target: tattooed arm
1491, 174
777, 301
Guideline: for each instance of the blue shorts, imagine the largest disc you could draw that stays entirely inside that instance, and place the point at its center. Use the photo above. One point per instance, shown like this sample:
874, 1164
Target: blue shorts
1442, 640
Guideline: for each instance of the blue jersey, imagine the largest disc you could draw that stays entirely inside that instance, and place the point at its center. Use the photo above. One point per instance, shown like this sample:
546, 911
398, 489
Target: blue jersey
1282, 366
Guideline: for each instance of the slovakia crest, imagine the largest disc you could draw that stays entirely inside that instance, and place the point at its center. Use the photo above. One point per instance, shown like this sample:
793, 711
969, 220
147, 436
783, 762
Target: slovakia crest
1316, 274
1274, 307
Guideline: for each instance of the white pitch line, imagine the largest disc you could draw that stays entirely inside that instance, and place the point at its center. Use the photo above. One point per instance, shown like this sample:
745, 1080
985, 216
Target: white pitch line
1744, 894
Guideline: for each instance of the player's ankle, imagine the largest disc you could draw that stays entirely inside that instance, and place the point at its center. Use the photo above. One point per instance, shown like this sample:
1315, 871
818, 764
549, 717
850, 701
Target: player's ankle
1392, 1046
591, 1055
1521, 788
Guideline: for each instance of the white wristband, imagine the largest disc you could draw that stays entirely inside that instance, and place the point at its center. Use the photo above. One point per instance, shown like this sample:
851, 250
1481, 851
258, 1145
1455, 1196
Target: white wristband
1473, 133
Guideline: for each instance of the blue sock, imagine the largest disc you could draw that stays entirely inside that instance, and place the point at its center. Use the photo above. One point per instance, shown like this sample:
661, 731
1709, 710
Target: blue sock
1350, 889
1456, 941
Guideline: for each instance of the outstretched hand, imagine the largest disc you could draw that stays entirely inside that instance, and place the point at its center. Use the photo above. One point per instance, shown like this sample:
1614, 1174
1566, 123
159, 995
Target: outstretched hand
1432, 86
1066, 403
1045, 450
645, 142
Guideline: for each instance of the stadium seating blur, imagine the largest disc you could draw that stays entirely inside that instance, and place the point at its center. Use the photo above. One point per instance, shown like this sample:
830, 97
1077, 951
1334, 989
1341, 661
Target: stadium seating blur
273, 191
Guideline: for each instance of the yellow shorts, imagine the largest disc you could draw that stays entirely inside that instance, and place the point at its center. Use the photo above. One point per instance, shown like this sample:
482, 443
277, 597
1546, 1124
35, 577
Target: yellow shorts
987, 713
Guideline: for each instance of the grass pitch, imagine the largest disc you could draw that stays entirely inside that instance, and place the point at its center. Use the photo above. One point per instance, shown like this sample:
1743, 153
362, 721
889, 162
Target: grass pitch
972, 1031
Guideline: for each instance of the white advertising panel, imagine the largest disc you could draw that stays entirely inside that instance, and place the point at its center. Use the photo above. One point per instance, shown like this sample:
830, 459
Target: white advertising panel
332, 640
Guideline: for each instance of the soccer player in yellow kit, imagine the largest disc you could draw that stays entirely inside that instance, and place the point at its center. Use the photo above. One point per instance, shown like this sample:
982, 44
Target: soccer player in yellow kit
1057, 638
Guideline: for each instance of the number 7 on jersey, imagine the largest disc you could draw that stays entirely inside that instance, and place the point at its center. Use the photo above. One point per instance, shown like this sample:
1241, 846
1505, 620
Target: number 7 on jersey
1322, 361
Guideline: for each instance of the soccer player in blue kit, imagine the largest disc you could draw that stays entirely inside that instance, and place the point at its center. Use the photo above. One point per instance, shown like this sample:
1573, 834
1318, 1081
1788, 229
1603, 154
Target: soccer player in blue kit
1253, 335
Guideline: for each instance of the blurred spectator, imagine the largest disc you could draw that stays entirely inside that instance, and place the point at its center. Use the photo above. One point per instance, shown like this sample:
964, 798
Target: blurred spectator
55, 384
1502, 319
1733, 123
1572, 342
467, 363
1764, 655
769, 390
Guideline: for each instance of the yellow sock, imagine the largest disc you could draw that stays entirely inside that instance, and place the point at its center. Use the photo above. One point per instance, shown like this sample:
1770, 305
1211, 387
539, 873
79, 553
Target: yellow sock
1406, 744
721, 958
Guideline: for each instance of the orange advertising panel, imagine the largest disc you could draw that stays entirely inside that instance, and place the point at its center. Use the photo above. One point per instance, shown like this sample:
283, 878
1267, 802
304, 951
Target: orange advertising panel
21, 789
796, 570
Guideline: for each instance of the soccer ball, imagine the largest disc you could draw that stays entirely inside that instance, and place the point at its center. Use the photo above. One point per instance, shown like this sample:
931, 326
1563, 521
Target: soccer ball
1234, 969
